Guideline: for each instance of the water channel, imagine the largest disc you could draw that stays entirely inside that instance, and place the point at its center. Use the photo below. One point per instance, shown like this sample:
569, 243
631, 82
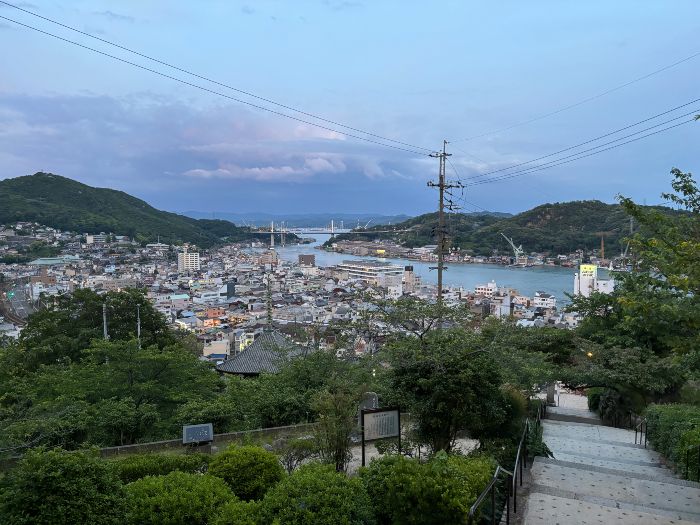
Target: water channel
551, 279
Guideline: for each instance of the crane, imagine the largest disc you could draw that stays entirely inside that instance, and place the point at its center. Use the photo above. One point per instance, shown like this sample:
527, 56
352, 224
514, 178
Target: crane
517, 250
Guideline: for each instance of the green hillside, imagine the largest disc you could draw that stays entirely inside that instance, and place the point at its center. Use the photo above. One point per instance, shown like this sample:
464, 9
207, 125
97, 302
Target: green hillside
63, 203
553, 228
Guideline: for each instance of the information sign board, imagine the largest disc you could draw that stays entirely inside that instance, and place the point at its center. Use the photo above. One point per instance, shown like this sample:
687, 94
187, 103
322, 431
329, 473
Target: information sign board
192, 434
380, 425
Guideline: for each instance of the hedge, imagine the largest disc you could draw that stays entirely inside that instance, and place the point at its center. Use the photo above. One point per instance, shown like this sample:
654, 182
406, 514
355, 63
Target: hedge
316, 494
405, 491
249, 471
177, 498
672, 429
133, 467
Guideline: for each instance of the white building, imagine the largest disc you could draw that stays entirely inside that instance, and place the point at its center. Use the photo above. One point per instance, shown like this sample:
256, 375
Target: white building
586, 281
487, 290
544, 300
188, 261
373, 272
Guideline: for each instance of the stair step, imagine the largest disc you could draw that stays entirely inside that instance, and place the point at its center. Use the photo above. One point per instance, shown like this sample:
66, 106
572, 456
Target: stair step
620, 491
588, 431
655, 470
612, 451
651, 474
545, 509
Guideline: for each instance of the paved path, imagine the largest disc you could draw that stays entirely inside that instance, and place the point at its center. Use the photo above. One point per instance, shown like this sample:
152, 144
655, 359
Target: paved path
599, 476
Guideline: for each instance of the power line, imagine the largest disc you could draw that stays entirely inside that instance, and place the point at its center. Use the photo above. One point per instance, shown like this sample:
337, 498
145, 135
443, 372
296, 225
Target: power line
556, 163
418, 150
588, 141
581, 102
483, 175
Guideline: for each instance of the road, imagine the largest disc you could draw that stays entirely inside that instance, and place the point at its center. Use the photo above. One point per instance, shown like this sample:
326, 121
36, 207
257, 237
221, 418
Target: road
16, 303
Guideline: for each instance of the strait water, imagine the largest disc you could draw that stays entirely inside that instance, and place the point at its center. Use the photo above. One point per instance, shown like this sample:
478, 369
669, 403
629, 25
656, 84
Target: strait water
551, 279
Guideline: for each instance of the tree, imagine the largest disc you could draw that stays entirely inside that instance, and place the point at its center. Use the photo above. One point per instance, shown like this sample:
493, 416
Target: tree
448, 384
52, 487
337, 418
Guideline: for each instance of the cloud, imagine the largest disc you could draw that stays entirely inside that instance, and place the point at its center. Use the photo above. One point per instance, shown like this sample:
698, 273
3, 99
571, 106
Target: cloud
115, 17
247, 10
147, 143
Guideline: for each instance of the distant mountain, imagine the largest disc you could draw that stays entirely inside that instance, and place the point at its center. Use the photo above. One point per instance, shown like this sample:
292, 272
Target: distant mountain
553, 228
63, 203
301, 220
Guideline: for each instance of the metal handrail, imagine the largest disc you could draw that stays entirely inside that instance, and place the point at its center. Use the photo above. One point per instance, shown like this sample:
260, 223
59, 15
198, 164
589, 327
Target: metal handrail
490, 490
641, 429
687, 461
520, 462
519, 465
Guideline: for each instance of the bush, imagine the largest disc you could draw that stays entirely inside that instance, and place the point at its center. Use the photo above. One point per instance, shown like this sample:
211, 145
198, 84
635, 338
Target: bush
56, 487
131, 468
405, 491
176, 498
688, 453
249, 471
672, 429
239, 512
316, 494
593, 395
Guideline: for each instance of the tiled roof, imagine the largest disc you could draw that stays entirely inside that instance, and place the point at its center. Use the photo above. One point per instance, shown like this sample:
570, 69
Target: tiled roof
265, 354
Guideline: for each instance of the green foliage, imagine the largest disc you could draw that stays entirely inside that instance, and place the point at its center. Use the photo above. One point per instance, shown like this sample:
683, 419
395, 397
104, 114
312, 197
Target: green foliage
687, 452
132, 467
63, 385
57, 487
671, 427
177, 498
405, 491
535, 443
249, 471
448, 385
337, 418
318, 495
593, 397
293, 452
239, 512
554, 228
638, 372
69, 205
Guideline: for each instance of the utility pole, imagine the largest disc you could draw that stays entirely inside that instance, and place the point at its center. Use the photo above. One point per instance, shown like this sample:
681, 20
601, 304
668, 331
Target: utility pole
104, 321
138, 324
442, 185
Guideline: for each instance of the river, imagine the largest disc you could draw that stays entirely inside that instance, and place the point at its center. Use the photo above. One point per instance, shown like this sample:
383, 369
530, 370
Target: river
551, 279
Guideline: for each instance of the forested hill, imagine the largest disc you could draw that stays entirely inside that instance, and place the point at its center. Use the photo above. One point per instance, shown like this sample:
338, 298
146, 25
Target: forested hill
63, 203
554, 228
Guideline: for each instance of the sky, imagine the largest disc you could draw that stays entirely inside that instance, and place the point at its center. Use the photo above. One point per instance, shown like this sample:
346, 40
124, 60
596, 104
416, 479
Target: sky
418, 72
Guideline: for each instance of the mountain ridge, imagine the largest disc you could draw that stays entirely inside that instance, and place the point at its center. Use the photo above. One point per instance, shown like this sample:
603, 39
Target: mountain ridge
64, 203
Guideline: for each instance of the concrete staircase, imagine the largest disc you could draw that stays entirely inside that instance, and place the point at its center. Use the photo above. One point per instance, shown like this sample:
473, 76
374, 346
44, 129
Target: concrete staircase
599, 476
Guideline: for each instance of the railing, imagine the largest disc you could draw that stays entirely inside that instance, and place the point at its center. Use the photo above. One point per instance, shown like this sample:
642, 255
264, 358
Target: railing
687, 461
520, 463
641, 430
512, 477
490, 490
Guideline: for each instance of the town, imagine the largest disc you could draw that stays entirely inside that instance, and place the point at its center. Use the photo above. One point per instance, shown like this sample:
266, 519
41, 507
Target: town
227, 296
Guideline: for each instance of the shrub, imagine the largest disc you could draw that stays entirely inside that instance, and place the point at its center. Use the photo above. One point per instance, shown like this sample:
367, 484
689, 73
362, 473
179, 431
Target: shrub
672, 429
56, 487
293, 452
131, 468
404, 491
687, 452
249, 471
176, 498
239, 512
593, 395
316, 494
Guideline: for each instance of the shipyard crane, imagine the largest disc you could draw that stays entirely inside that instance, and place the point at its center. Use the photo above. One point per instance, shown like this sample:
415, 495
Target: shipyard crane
517, 250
